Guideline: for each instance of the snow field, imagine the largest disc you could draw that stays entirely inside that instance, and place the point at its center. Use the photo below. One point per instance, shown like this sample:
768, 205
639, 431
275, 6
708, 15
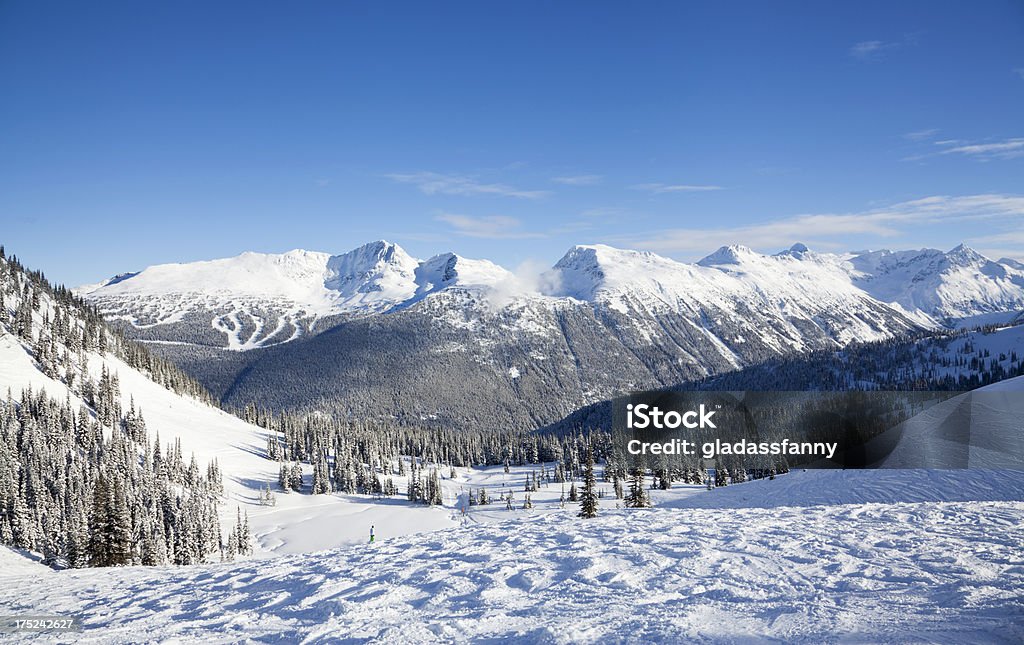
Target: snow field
933, 571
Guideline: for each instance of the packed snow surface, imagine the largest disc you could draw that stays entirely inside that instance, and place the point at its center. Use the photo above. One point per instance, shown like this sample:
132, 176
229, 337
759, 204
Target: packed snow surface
933, 571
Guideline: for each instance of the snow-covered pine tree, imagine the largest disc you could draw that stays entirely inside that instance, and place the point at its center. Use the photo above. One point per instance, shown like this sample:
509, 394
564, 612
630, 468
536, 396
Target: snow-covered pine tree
295, 478
637, 497
588, 496
321, 478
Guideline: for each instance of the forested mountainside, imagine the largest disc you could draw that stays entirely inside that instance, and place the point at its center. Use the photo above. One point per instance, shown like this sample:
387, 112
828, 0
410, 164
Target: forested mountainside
83, 480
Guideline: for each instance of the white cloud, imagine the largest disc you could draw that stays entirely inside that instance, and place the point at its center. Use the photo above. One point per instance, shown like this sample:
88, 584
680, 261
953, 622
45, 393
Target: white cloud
871, 50
1015, 238
979, 150
432, 183
674, 188
1007, 149
530, 277
1019, 71
578, 180
830, 230
494, 227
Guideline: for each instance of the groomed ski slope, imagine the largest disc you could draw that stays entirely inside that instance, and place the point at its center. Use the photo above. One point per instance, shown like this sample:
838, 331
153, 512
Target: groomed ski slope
930, 571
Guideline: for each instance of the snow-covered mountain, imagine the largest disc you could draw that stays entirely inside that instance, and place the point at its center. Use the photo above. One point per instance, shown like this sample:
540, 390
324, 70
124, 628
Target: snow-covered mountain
384, 333
258, 300
960, 286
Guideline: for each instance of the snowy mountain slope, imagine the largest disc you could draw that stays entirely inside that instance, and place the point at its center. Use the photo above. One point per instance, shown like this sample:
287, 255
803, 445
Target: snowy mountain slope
296, 524
942, 572
757, 293
256, 299
953, 286
204, 431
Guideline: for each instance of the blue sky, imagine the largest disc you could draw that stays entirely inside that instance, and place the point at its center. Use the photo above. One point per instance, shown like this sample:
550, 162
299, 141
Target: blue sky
140, 133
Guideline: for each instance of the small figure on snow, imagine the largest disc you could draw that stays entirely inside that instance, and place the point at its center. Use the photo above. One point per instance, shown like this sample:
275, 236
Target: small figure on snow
371, 533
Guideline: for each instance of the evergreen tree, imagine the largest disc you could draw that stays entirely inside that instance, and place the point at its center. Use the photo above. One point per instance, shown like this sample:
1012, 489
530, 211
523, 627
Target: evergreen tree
588, 497
637, 497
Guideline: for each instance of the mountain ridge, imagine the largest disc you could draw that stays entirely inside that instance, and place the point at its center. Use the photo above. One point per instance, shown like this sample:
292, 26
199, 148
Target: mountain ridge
933, 287
409, 339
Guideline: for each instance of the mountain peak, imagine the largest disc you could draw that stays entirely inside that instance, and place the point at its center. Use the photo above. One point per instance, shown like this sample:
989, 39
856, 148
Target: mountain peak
798, 251
963, 254
731, 254
448, 269
379, 266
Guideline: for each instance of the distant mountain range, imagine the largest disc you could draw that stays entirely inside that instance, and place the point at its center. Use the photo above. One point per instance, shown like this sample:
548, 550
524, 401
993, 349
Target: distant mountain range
456, 341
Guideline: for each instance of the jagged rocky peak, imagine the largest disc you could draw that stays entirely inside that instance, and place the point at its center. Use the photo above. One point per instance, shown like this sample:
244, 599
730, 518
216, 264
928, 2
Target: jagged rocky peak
371, 267
581, 257
449, 269
587, 269
601, 257
370, 257
440, 269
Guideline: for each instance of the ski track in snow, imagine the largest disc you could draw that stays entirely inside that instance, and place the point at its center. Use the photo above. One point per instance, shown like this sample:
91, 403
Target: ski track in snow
947, 572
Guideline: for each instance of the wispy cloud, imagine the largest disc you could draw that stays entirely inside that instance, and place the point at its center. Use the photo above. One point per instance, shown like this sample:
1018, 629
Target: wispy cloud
978, 150
434, 183
1006, 149
674, 188
871, 51
494, 227
1019, 71
831, 230
921, 135
578, 180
